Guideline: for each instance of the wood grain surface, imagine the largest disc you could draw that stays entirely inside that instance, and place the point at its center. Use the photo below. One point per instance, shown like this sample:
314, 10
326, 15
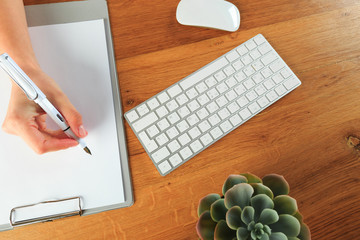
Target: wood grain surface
311, 136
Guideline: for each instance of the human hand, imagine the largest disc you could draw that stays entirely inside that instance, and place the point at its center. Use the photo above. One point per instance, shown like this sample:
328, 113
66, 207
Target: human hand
26, 119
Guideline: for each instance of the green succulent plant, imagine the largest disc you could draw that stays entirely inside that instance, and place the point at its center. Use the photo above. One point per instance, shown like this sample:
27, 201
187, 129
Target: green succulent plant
251, 209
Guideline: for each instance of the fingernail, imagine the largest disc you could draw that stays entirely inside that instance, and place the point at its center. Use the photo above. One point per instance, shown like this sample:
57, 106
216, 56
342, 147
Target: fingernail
82, 131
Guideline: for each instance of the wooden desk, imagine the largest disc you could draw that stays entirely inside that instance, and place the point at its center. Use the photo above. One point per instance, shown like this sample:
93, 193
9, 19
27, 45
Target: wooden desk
305, 136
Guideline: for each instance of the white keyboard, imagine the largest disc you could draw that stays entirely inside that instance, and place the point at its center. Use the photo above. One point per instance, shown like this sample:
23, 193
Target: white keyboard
186, 118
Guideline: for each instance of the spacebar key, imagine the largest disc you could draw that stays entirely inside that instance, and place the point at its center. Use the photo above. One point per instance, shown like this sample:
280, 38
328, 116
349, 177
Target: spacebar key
203, 73
145, 121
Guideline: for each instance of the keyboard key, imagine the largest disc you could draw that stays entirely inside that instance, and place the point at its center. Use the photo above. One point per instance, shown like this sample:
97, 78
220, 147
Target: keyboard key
172, 132
245, 114
220, 76
260, 89
285, 73
246, 60
224, 113
238, 65
175, 160
229, 70
193, 105
231, 95
263, 101
255, 54
270, 57
230, 82
183, 112
142, 110
185, 152
191, 93
201, 87
203, 73
254, 107
149, 144
163, 97
174, 90
277, 65
196, 146
164, 167
269, 84
202, 113
162, 111
182, 126
152, 131
182, 99
163, 124
213, 93
250, 44
214, 119
259, 39
249, 71
242, 50
174, 146
249, 84
173, 118
226, 126
240, 89
194, 132
233, 107
216, 132
264, 48
271, 95
172, 105
132, 115
204, 126
280, 90
266, 72
235, 120
222, 87
242, 101
277, 78
221, 101
184, 139
160, 154
153, 103
240, 76
232, 56
290, 83
206, 139
211, 81
203, 99
258, 78
145, 122
192, 119
212, 107
162, 139
251, 95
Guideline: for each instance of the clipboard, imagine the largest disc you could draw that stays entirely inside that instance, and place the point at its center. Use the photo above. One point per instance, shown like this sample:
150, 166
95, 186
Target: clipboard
74, 12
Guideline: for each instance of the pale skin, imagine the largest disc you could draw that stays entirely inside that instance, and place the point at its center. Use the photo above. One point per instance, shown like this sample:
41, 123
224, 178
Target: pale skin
25, 118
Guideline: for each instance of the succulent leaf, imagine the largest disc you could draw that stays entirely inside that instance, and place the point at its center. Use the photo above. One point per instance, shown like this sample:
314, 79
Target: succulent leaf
277, 184
268, 216
242, 233
262, 189
233, 217
304, 232
238, 195
259, 203
251, 178
247, 215
223, 232
205, 227
267, 230
298, 216
231, 181
285, 204
278, 236
264, 237
205, 202
287, 224
293, 238
218, 210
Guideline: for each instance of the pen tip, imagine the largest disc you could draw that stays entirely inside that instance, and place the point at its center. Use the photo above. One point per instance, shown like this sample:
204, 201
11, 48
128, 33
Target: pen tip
86, 149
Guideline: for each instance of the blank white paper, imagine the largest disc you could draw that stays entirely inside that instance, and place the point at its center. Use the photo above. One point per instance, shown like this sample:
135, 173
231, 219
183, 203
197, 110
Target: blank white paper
75, 55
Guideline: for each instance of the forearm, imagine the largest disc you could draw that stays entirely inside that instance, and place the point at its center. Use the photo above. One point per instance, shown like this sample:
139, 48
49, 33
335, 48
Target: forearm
14, 36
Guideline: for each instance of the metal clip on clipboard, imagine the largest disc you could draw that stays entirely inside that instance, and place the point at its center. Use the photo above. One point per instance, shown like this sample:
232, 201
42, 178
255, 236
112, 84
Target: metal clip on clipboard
17, 214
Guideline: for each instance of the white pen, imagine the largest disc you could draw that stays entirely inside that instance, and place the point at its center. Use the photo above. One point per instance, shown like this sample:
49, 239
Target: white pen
36, 95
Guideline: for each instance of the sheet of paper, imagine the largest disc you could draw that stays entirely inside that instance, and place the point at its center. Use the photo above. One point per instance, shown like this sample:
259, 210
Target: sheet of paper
75, 55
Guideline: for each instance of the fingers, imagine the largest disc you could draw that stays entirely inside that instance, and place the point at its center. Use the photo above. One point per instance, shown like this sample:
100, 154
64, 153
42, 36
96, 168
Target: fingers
42, 141
72, 116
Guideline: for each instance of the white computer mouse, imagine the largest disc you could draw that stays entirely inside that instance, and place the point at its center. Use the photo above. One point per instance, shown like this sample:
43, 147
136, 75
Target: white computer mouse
219, 14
